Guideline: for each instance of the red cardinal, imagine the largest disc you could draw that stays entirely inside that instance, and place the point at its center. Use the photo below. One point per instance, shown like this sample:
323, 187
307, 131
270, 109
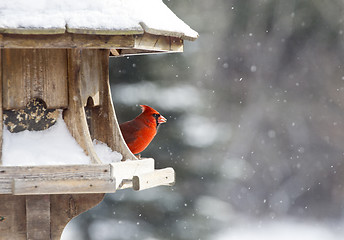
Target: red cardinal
139, 132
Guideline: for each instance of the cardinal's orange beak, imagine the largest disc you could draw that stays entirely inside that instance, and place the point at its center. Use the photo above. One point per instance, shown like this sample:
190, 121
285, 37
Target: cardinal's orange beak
161, 119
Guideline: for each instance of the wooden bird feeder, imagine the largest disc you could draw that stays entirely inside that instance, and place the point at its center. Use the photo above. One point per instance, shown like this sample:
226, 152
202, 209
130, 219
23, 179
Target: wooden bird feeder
55, 60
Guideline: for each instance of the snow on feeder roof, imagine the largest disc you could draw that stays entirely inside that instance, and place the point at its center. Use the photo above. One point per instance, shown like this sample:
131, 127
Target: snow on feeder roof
115, 17
102, 17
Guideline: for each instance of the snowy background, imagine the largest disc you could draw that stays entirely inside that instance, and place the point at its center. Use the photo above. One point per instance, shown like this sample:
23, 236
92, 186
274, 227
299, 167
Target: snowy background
255, 127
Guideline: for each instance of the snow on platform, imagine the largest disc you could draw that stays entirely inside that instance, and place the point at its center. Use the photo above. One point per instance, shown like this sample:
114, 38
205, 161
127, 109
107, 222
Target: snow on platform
54, 146
109, 17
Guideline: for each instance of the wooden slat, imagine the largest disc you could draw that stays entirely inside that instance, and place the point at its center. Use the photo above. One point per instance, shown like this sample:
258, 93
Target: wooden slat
62, 186
8, 173
91, 70
72, 205
124, 171
105, 31
158, 43
33, 30
13, 215
66, 40
1, 107
114, 52
58, 171
38, 217
50, 31
104, 125
136, 52
75, 116
6, 186
156, 178
34, 73
152, 44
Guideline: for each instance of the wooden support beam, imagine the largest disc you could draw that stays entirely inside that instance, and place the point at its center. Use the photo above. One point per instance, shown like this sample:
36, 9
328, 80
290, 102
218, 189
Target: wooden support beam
58, 171
13, 217
138, 30
38, 217
63, 186
151, 44
136, 52
66, 40
72, 206
104, 125
141, 43
158, 43
69, 176
91, 72
114, 52
1, 107
156, 178
75, 116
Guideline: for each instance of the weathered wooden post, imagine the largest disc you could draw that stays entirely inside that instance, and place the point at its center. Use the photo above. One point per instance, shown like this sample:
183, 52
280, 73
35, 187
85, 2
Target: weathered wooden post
53, 67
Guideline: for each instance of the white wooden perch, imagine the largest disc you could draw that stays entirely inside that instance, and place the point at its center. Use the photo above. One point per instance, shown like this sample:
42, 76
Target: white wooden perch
80, 179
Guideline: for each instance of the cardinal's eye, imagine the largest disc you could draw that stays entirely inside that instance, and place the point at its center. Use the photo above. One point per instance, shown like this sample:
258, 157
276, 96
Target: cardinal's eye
156, 115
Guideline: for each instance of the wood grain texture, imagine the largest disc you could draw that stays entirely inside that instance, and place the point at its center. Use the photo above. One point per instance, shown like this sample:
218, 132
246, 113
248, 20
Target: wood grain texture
104, 125
136, 52
58, 171
13, 215
67, 206
66, 40
104, 32
152, 44
34, 73
6, 186
69, 172
91, 72
50, 31
156, 178
39, 186
1, 107
75, 116
158, 43
33, 30
43, 216
38, 217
